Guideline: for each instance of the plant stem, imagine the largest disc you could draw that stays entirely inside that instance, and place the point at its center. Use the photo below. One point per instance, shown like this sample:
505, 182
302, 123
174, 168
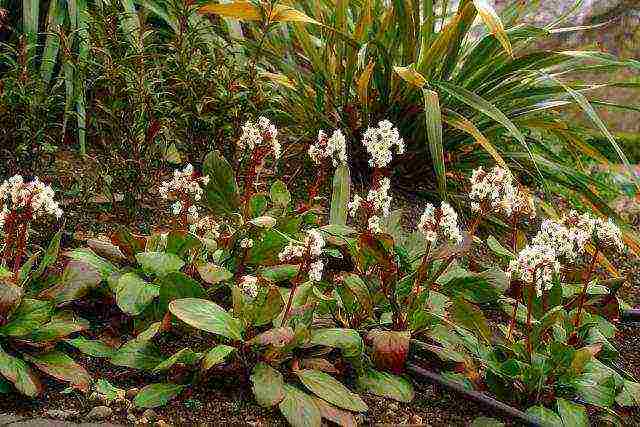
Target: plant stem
294, 286
514, 248
20, 246
583, 295
529, 311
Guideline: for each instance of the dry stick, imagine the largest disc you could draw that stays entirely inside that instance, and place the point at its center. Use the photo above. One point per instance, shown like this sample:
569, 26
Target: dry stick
583, 295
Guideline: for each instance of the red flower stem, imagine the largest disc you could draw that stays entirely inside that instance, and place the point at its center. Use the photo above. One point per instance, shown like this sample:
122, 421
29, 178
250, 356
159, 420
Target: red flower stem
514, 249
304, 266
9, 230
20, 247
583, 295
529, 311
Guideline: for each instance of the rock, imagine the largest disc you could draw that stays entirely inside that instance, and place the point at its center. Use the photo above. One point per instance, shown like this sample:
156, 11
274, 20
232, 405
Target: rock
131, 417
132, 392
61, 414
99, 413
393, 407
150, 415
162, 423
415, 419
142, 421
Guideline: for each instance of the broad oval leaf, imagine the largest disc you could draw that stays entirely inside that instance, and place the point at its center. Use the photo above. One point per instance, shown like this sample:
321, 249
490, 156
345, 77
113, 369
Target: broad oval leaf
221, 194
268, 385
133, 294
62, 367
93, 348
208, 316
177, 285
138, 354
386, 385
217, 355
77, 280
547, 417
19, 374
213, 274
328, 388
29, 315
299, 408
572, 414
159, 263
280, 195
155, 395
186, 356
347, 340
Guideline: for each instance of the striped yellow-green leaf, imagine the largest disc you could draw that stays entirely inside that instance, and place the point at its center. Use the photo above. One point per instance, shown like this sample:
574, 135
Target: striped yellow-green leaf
493, 22
433, 120
340, 196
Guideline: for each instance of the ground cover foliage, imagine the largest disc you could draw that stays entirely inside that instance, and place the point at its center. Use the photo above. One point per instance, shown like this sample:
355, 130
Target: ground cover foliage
315, 290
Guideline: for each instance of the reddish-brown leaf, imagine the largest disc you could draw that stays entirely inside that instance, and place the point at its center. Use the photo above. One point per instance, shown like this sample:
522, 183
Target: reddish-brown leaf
390, 349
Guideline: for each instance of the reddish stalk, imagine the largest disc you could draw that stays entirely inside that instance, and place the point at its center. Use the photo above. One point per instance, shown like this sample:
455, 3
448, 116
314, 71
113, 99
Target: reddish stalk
9, 230
529, 311
20, 247
304, 266
583, 295
514, 249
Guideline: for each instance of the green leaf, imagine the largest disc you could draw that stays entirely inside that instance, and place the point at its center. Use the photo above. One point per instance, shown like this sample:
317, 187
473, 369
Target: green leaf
329, 389
19, 374
268, 385
472, 318
547, 417
62, 367
299, 408
596, 389
217, 355
29, 315
77, 280
159, 263
105, 268
347, 340
208, 316
433, 119
138, 354
386, 385
93, 348
340, 196
213, 274
335, 415
630, 394
267, 308
155, 395
221, 194
497, 248
186, 356
176, 286
280, 195
280, 273
51, 255
493, 22
133, 294
61, 325
108, 391
572, 415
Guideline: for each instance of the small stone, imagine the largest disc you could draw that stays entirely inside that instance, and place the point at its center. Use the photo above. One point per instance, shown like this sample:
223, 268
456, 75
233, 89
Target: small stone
162, 423
60, 414
100, 413
150, 414
131, 417
132, 392
142, 420
393, 407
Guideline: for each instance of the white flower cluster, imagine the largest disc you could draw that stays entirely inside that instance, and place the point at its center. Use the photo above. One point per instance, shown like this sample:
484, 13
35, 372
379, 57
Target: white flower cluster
379, 143
378, 204
443, 222
311, 246
258, 134
496, 189
184, 185
536, 264
206, 226
570, 235
249, 286
334, 148
34, 198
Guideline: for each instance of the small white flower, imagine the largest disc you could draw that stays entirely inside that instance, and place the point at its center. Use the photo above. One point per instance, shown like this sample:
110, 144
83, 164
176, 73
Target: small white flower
380, 141
206, 225
334, 148
609, 234
249, 286
375, 224
34, 198
312, 244
497, 190
442, 222
246, 243
536, 264
260, 134
315, 271
380, 198
354, 205
176, 208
